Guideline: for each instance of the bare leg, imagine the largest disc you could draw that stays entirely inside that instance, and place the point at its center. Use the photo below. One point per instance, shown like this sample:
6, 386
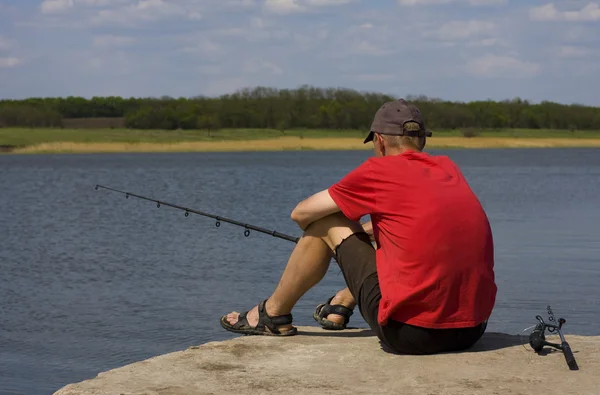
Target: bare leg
307, 266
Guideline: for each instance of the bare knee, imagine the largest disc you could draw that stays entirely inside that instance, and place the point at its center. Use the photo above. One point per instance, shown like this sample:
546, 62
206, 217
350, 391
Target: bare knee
333, 229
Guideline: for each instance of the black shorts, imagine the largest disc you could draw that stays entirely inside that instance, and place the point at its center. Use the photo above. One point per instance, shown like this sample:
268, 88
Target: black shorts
356, 257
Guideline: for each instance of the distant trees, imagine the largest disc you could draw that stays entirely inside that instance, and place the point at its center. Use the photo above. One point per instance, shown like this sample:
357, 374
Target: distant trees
29, 115
282, 109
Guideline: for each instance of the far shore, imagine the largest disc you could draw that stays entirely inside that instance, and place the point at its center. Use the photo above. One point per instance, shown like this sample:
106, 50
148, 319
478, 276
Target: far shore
296, 144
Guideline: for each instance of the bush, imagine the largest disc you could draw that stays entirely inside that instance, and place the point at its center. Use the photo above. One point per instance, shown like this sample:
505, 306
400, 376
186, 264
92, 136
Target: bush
470, 132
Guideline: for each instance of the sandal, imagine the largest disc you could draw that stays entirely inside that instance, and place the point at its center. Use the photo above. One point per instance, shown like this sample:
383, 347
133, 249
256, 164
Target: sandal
267, 326
325, 309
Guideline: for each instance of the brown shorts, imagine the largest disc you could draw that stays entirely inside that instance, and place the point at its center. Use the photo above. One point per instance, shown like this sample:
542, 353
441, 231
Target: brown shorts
356, 257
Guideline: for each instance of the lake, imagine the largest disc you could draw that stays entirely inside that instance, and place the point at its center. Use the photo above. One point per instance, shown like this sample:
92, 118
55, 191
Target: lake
92, 281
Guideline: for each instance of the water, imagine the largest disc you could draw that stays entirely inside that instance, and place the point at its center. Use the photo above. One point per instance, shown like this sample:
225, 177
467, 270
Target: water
91, 281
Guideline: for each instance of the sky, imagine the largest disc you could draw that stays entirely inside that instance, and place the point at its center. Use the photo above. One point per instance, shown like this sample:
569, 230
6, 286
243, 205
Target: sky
459, 50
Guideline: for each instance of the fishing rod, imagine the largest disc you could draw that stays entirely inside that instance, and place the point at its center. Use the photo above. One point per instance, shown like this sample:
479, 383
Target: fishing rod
247, 227
537, 339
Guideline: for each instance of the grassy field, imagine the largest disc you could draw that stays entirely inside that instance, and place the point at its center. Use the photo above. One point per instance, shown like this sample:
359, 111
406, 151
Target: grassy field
21, 140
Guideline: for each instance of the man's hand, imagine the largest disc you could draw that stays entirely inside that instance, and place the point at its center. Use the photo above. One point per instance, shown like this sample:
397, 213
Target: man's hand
368, 228
314, 208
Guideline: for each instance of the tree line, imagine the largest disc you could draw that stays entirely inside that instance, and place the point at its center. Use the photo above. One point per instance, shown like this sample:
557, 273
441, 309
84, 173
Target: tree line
304, 107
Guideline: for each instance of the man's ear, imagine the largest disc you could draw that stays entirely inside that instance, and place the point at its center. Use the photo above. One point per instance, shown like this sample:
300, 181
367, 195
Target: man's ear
381, 143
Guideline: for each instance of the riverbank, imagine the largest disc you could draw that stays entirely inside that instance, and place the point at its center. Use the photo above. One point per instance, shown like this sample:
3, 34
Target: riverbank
32, 141
352, 362
295, 143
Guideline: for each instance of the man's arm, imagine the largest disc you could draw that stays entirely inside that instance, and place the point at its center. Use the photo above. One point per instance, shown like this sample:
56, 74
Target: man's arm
314, 208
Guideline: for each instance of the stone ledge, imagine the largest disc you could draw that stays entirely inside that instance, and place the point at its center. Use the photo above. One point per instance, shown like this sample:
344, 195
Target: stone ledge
351, 362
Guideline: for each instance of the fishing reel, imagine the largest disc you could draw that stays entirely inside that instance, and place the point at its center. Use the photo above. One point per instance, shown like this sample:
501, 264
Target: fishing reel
537, 338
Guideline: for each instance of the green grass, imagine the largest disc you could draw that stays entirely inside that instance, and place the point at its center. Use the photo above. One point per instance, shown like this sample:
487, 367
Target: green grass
22, 137
524, 133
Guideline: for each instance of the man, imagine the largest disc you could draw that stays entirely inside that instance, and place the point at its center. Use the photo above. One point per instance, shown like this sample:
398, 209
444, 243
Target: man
428, 284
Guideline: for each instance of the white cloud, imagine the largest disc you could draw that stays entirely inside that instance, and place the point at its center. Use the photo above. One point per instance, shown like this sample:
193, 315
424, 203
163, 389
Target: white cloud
438, 2
258, 23
546, 12
459, 30
296, 6
423, 2
322, 3
55, 6
590, 12
204, 48
549, 12
241, 3
284, 6
100, 3
210, 70
487, 42
115, 63
570, 51
9, 62
260, 66
144, 10
488, 2
244, 43
5, 44
574, 33
126, 12
493, 66
365, 47
226, 84
108, 41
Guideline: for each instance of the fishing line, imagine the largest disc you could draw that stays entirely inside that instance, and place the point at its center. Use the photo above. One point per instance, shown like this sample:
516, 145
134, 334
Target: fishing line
219, 219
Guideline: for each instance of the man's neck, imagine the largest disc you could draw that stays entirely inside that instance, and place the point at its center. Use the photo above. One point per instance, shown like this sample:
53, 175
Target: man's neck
400, 151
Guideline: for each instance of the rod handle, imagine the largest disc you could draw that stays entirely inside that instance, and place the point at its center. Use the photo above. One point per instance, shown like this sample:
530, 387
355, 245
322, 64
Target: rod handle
569, 357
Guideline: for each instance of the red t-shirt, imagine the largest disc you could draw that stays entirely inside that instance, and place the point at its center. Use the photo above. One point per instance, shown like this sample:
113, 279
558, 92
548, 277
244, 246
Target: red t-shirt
435, 254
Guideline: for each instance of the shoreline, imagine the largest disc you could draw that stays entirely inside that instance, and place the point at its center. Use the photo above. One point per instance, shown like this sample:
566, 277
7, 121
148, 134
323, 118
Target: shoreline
295, 144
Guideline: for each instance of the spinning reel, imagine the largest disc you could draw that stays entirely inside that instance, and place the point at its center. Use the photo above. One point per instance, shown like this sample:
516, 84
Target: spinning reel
537, 338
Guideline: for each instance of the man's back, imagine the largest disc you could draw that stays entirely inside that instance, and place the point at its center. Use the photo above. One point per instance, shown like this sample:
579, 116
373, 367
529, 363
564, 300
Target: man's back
435, 256
435, 249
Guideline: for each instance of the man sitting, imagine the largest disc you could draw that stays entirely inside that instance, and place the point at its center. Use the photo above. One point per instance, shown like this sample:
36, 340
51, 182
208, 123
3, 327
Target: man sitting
427, 286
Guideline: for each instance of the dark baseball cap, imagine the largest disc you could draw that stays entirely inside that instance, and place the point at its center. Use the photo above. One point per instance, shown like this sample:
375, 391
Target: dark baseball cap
398, 118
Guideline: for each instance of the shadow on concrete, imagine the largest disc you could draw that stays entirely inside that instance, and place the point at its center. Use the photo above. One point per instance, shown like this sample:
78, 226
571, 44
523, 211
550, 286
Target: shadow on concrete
344, 333
490, 341
496, 341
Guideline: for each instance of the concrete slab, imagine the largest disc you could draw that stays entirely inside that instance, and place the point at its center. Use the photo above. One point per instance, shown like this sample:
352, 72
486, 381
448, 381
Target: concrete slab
351, 362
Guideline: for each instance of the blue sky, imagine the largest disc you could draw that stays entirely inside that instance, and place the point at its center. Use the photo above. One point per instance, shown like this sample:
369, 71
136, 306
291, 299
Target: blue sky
451, 49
